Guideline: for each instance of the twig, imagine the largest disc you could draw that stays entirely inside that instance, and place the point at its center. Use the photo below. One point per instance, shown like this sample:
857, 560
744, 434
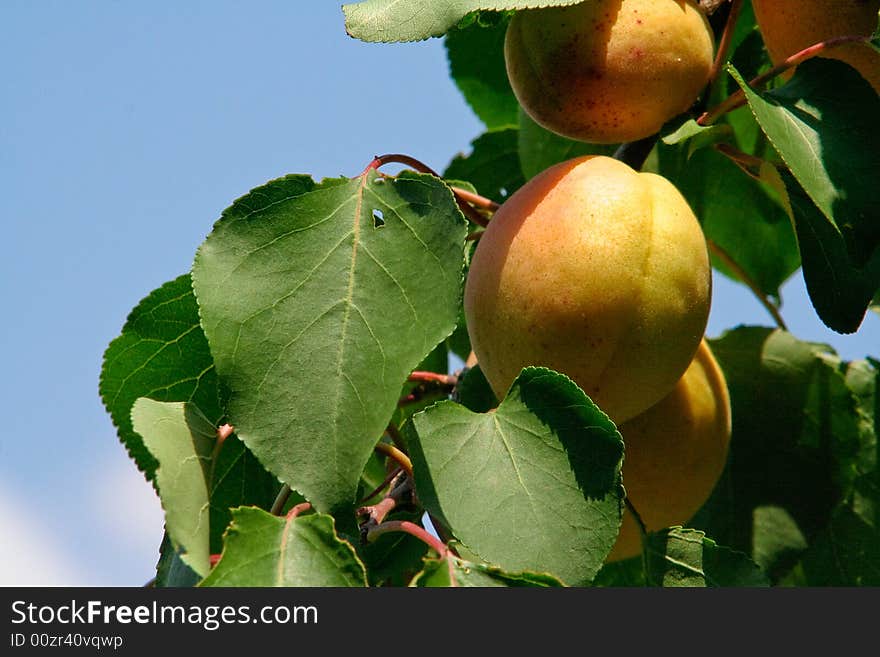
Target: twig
280, 500
410, 528
399, 158
300, 508
433, 377
476, 200
376, 513
737, 98
392, 452
391, 477
726, 38
744, 161
726, 258
643, 530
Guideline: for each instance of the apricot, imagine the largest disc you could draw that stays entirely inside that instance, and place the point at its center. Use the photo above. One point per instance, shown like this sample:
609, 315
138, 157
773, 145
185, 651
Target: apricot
596, 271
675, 452
608, 71
789, 26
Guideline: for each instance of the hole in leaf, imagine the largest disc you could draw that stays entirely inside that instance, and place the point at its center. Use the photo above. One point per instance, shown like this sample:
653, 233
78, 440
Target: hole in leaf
503, 191
378, 218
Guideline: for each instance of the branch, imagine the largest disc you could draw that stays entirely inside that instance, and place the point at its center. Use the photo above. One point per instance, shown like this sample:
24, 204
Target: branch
737, 98
726, 258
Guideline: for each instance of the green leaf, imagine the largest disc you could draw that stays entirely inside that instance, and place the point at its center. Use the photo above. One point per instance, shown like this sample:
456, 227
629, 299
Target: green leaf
239, 479
830, 143
777, 541
740, 215
182, 440
265, 550
687, 557
171, 570
839, 290
796, 442
492, 167
451, 571
623, 572
847, 551
539, 148
395, 557
318, 301
697, 135
474, 392
416, 20
476, 64
533, 486
162, 354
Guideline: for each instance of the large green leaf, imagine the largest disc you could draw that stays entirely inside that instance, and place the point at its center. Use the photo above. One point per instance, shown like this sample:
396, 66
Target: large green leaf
492, 166
532, 486
162, 354
415, 20
318, 300
451, 571
839, 290
539, 148
796, 444
266, 550
829, 141
740, 215
182, 440
476, 63
687, 557
847, 551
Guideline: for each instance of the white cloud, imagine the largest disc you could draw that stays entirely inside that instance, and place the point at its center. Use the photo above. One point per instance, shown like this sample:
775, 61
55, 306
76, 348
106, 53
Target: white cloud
30, 555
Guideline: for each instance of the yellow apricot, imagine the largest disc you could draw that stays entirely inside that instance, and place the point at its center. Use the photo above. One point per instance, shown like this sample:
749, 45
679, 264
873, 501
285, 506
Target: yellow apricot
675, 452
789, 26
596, 271
608, 71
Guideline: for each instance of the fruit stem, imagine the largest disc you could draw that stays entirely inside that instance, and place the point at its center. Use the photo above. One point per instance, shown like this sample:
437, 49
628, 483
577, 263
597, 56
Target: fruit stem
643, 530
392, 452
634, 153
737, 98
726, 39
726, 258
410, 528
280, 500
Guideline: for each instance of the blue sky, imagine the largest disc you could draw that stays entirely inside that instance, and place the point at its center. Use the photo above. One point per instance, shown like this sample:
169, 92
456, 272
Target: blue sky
125, 129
